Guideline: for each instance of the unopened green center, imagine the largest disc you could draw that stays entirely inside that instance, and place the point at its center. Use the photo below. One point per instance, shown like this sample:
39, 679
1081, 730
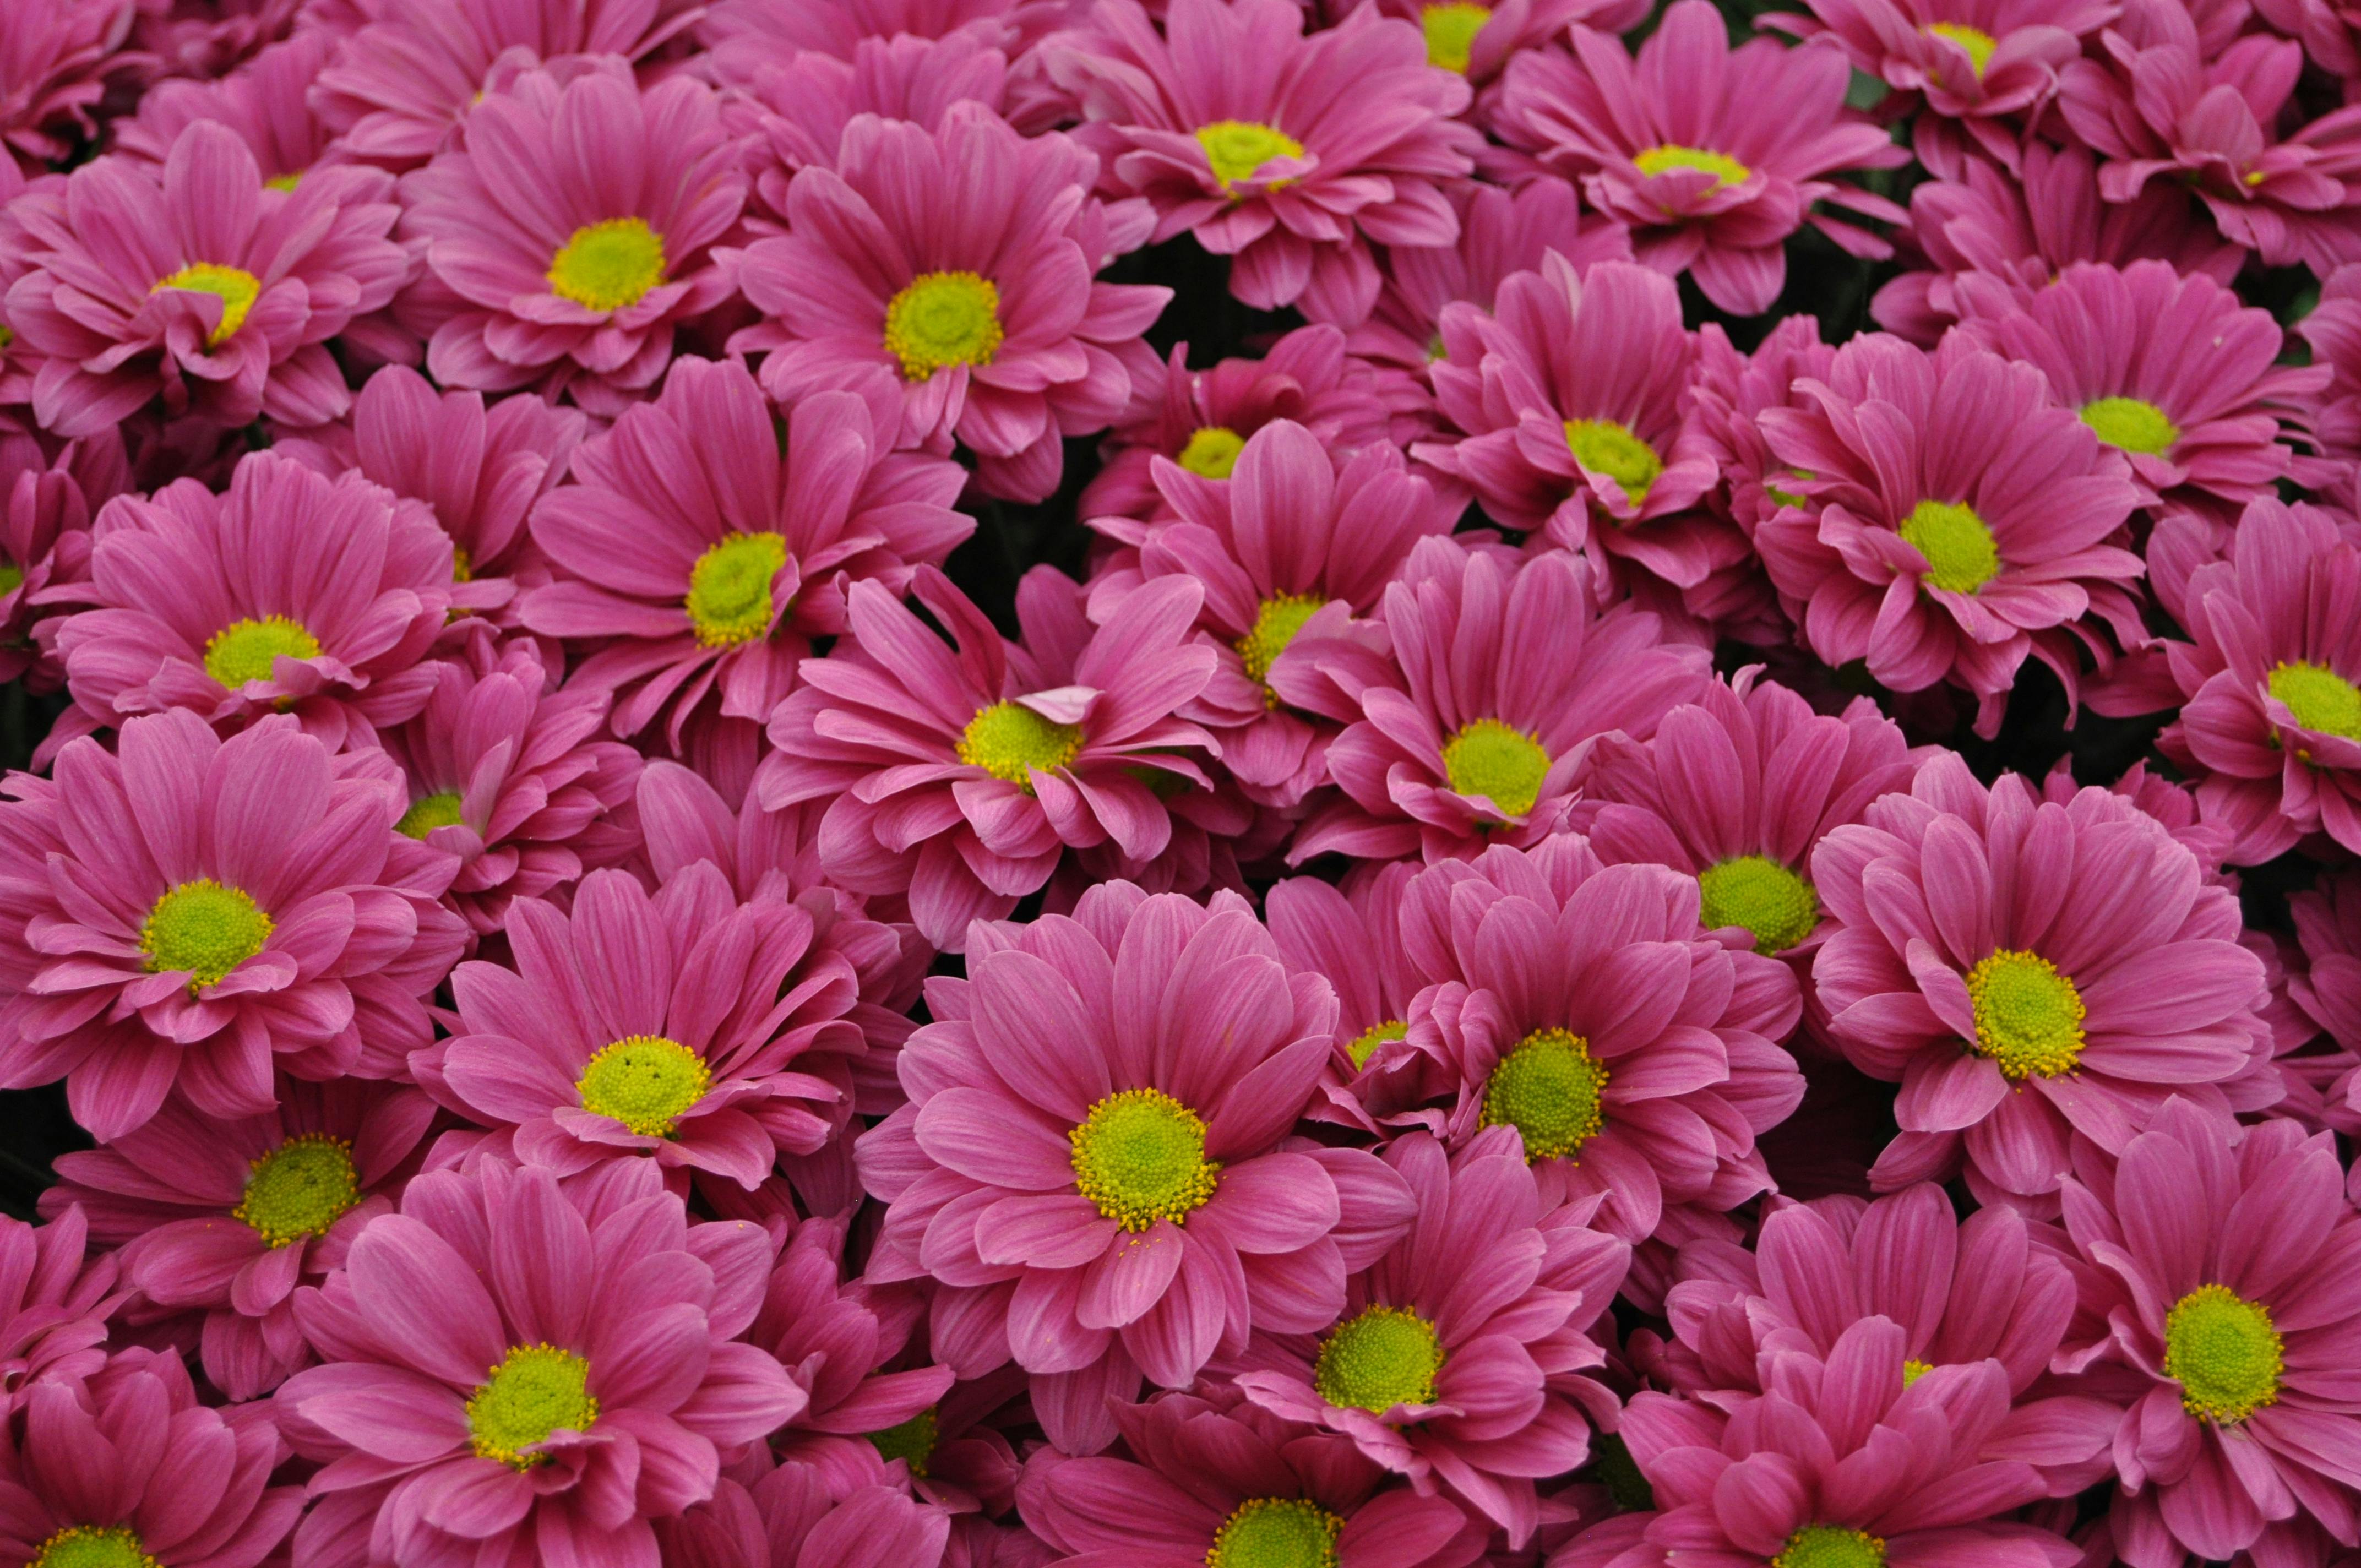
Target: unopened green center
911, 1442
943, 318
1140, 1156
535, 1390
2131, 426
1914, 1369
1548, 1088
235, 288
1726, 170
2225, 1354
1978, 43
1762, 895
1450, 29
429, 812
646, 1082
1213, 451
1604, 446
1828, 1546
12, 577
1276, 1533
1276, 624
1236, 148
1961, 556
2028, 1016
204, 928
300, 1188
729, 588
2320, 699
1504, 765
607, 266
1365, 1043
248, 650
93, 1546
1008, 738
1380, 1358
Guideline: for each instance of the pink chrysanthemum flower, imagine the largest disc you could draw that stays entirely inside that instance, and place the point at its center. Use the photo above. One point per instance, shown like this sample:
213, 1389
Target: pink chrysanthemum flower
516, 1368
196, 284
1091, 1170
706, 1035
293, 593
706, 551
1216, 1480
48, 491
1732, 390
206, 39
1581, 1005
2333, 331
2221, 1266
1473, 730
2328, 985
1289, 151
2329, 31
2271, 725
509, 774
949, 274
798, 1516
54, 1303
225, 1218
294, 928
1953, 520
567, 238
960, 774
263, 103
2028, 227
1478, 39
53, 65
1474, 1393
2173, 372
742, 33
2015, 1007
1712, 155
127, 1467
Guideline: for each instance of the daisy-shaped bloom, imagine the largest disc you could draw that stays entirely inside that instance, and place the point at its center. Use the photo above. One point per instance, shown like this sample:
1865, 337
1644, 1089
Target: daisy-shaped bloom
1478, 37
263, 103
1213, 1480
509, 775
949, 274
1479, 1391
54, 62
1733, 391
1473, 730
2328, 986
127, 1468
2015, 1005
1953, 520
1712, 155
566, 240
745, 34
704, 1034
1580, 1005
1090, 1167
960, 774
49, 491
800, 1516
225, 1218
2329, 31
2173, 372
2271, 723
54, 1304
293, 593
517, 1368
705, 550
2223, 1280
206, 38
195, 911
2333, 330
196, 284
1288, 152
1574, 393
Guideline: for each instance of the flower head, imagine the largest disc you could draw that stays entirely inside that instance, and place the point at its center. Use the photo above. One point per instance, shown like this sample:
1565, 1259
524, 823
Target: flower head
54, 1303
53, 68
48, 491
801, 1515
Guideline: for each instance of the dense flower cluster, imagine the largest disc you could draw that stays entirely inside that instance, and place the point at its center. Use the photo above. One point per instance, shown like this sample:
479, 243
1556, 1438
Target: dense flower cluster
1179, 784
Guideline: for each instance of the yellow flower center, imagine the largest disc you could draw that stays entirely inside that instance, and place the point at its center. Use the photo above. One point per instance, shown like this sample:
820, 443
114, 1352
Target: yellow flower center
2131, 426
93, 1546
1276, 624
1961, 556
283, 181
1548, 1088
1140, 1156
204, 928
646, 1082
1380, 1358
912, 1442
428, 813
1762, 895
2320, 699
248, 650
535, 1390
1213, 451
235, 288
1365, 1043
2028, 1016
610, 265
1604, 446
943, 318
729, 588
299, 1189
1826, 1546
1978, 43
2225, 1354
1450, 29
1914, 1369
1237, 149
1007, 739
1726, 170
1504, 765
1276, 1533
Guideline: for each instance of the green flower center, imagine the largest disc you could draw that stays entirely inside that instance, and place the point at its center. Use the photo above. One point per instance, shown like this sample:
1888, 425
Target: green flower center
1008, 738
1627, 1487
1604, 446
248, 650
729, 588
912, 1442
943, 318
1504, 765
1826, 1546
646, 1082
1548, 1088
1914, 1369
2028, 1016
204, 928
2320, 699
283, 181
1451, 30
2131, 426
2225, 1354
1726, 170
235, 288
1238, 147
92, 1546
299, 1189
12, 576
429, 812
1140, 1156
1979, 43
1276, 624
1213, 451
1381, 1358
610, 265
535, 1390
1276, 1533
1365, 1043
1961, 556
1762, 895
